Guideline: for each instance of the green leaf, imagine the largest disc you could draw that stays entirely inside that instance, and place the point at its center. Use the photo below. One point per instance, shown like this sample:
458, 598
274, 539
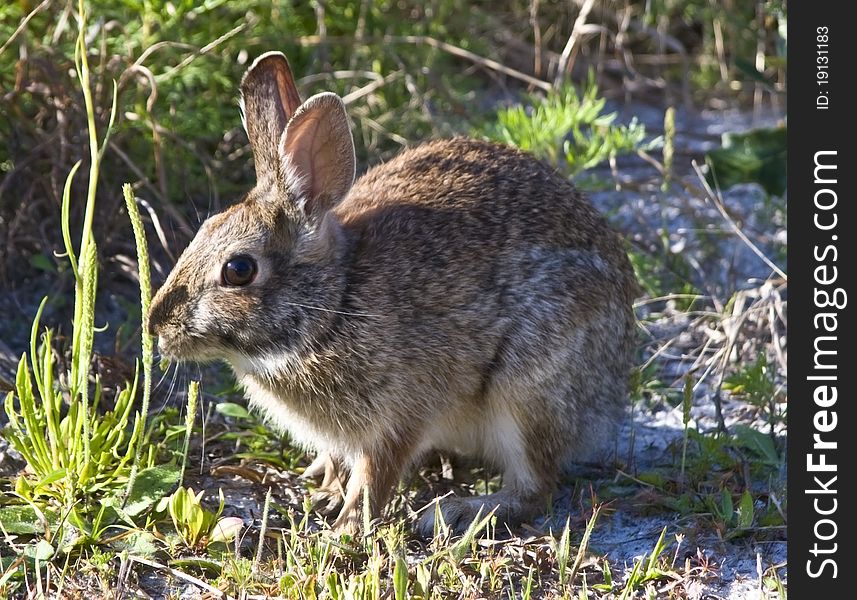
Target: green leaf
112, 512
756, 156
41, 550
212, 568
50, 478
196, 523
178, 506
43, 263
230, 409
23, 520
460, 549
759, 443
745, 511
139, 543
727, 507
400, 578
151, 485
651, 565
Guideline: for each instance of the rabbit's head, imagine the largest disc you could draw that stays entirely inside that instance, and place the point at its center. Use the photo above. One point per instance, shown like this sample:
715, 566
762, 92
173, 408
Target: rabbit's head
262, 275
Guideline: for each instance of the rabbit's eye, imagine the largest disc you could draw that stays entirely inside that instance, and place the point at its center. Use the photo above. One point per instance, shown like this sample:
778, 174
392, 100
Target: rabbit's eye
238, 271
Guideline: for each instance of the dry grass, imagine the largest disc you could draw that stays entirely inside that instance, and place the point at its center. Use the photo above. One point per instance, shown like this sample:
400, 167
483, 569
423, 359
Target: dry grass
407, 71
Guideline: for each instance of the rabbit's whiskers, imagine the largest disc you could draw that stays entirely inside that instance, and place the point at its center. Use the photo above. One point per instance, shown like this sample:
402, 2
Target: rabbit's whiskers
330, 310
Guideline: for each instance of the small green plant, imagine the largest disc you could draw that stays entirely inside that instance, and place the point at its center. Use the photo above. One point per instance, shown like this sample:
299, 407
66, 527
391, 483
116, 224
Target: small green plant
569, 130
75, 455
662, 272
757, 156
86, 470
196, 526
731, 521
755, 383
647, 569
584, 543
238, 573
256, 441
562, 551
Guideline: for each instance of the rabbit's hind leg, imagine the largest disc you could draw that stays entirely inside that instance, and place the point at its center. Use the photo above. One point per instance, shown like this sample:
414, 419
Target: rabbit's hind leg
509, 506
525, 485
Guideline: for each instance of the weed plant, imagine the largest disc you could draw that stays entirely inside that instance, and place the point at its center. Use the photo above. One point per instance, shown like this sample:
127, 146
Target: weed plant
569, 130
76, 455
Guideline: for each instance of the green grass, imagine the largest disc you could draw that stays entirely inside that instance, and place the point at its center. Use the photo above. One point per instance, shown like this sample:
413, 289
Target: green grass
568, 129
110, 492
82, 462
78, 457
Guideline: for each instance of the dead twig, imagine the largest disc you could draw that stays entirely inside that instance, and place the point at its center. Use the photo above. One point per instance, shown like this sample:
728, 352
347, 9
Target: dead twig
146, 182
425, 40
368, 89
570, 45
23, 24
717, 201
250, 22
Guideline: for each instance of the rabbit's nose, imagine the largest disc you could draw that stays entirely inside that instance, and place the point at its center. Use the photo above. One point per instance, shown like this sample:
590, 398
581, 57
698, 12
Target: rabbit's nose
164, 306
156, 318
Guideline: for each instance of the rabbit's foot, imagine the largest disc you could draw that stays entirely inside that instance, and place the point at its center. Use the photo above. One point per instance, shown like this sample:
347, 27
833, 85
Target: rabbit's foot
326, 501
458, 513
350, 525
372, 479
334, 470
317, 467
328, 497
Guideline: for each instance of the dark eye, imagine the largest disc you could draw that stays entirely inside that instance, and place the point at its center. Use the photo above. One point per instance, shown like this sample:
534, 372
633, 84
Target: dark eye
238, 271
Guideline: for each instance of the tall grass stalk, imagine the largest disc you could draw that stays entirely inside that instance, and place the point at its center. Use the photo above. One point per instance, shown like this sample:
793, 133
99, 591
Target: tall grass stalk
148, 343
87, 272
192, 401
669, 147
686, 405
263, 530
74, 455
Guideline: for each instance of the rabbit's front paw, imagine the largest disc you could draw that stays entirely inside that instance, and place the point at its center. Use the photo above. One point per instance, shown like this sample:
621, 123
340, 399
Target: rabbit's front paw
318, 467
328, 496
348, 523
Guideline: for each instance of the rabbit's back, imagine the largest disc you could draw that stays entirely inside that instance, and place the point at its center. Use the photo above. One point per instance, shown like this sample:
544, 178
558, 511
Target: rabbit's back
491, 277
492, 198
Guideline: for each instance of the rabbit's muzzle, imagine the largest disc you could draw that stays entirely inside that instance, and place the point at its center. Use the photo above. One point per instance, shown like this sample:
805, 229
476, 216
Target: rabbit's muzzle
164, 312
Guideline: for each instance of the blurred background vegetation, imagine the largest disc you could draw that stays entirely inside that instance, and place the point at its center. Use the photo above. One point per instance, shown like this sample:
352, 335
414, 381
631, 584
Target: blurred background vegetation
408, 71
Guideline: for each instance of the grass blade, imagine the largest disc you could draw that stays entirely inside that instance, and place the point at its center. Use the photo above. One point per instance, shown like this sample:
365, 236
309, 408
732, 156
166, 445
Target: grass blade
584, 543
147, 341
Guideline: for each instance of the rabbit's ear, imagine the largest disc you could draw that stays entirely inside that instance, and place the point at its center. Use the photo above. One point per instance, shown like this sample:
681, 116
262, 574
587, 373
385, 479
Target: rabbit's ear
269, 98
317, 153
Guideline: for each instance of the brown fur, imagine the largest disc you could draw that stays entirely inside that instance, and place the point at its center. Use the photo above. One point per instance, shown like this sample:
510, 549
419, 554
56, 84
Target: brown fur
462, 296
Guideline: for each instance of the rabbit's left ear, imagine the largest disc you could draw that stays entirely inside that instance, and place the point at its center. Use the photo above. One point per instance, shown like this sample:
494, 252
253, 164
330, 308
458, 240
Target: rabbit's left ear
269, 99
317, 154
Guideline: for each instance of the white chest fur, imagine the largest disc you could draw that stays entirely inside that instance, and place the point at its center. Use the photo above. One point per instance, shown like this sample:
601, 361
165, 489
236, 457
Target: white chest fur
281, 413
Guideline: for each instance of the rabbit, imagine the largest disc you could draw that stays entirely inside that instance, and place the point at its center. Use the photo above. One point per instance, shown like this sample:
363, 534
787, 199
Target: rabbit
461, 297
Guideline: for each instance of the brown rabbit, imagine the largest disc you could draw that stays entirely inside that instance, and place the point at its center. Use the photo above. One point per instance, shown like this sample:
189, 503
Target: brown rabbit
462, 296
